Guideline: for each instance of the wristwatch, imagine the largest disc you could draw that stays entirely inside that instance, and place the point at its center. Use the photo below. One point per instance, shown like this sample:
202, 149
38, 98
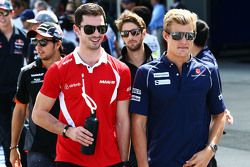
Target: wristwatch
214, 147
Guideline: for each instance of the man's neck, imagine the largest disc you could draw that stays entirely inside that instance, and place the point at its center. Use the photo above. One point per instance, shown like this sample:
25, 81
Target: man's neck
7, 31
136, 58
54, 58
178, 60
196, 50
90, 57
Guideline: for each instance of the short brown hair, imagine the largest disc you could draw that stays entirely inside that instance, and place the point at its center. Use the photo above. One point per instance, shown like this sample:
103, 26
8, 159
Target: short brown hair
129, 17
180, 16
88, 9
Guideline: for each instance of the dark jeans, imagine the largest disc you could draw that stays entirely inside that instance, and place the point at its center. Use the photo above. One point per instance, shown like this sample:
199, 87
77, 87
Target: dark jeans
36, 159
6, 109
65, 164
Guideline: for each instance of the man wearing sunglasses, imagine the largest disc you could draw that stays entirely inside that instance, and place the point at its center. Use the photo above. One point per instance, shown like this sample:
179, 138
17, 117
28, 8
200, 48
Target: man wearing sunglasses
173, 100
87, 81
40, 143
135, 53
13, 49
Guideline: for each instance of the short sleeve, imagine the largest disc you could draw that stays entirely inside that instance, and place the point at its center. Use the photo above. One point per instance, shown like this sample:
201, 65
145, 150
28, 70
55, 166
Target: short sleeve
125, 84
51, 83
215, 99
140, 95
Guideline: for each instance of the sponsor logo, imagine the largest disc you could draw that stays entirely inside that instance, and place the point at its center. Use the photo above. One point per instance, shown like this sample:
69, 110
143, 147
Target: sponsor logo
67, 61
197, 71
36, 80
163, 82
136, 91
108, 82
136, 98
66, 86
161, 74
37, 75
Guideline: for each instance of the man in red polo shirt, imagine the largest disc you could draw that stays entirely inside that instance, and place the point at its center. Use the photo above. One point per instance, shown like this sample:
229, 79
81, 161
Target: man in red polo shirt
87, 81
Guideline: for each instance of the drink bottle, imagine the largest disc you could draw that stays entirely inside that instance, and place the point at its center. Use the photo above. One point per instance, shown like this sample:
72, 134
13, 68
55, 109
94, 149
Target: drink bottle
91, 124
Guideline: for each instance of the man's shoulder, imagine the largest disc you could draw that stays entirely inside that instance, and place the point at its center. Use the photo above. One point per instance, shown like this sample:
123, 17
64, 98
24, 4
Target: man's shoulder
29, 67
116, 62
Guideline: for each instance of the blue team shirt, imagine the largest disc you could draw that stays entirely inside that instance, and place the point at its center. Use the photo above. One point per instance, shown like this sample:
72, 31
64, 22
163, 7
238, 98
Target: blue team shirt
177, 108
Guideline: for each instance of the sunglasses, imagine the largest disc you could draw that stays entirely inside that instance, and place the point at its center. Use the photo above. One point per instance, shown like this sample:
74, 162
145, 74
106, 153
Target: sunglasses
4, 13
179, 35
89, 29
133, 32
42, 42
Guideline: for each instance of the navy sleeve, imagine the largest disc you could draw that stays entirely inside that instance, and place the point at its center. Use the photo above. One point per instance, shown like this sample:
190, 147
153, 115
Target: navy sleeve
140, 95
215, 99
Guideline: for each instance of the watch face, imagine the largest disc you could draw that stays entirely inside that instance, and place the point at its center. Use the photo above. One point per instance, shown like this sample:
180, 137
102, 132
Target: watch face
215, 147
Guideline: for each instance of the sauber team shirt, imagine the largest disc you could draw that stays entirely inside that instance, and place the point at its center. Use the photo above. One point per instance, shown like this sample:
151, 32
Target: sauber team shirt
176, 108
106, 82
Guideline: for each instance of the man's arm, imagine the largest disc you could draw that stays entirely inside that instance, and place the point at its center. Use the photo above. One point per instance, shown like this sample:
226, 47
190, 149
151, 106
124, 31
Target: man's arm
43, 118
203, 157
139, 139
18, 119
123, 128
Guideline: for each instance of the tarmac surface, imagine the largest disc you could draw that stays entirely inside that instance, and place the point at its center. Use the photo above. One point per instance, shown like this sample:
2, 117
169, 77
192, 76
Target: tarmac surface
234, 148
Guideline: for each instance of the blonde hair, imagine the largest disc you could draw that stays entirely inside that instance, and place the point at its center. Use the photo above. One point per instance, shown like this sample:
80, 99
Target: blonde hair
129, 17
179, 16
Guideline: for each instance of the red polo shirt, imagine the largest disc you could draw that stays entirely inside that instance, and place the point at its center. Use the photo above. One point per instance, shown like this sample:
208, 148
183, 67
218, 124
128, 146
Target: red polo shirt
106, 82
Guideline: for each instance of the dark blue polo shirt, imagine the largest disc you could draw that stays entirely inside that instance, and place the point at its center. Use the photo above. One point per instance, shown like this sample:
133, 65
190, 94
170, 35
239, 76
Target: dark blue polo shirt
29, 83
206, 56
176, 108
12, 55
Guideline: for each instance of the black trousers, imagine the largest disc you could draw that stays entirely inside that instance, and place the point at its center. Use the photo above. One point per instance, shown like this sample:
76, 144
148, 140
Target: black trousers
6, 110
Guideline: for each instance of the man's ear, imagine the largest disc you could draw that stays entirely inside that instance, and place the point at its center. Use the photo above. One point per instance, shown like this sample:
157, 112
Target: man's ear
76, 30
165, 35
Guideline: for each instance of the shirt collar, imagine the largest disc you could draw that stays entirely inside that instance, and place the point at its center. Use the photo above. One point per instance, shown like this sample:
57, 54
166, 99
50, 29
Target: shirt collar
78, 60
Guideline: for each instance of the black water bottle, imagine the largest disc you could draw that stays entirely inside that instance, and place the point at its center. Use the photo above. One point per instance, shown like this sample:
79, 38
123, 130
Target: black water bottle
91, 124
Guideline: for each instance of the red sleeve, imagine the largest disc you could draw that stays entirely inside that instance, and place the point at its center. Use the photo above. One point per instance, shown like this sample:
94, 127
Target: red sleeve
51, 83
124, 88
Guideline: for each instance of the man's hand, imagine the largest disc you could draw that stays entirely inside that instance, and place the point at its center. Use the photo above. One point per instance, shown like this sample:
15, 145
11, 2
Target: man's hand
200, 159
229, 117
80, 135
15, 158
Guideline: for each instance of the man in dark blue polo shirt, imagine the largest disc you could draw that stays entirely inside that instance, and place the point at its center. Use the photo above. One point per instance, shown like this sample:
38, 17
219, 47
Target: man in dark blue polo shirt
170, 101
13, 46
39, 142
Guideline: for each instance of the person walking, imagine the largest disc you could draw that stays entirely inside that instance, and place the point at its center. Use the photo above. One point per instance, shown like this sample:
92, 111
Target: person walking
13, 49
40, 143
89, 83
170, 102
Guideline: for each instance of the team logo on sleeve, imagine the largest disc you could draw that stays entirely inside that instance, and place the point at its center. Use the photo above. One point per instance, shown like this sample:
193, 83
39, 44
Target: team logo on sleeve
136, 98
136, 91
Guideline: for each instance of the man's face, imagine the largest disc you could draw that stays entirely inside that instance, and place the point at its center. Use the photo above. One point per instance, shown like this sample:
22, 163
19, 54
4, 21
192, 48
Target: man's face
132, 36
45, 47
180, 39
5, 17
91, 32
